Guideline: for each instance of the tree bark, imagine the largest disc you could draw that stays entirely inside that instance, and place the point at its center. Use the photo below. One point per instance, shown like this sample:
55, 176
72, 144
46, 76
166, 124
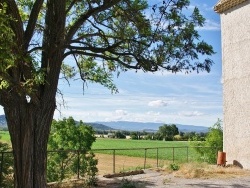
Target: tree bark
29, 127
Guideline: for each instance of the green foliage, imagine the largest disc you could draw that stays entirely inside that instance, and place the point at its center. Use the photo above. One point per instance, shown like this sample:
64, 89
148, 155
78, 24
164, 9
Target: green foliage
6, 45
120, 37
96, 72
65, 136
120, 135
213, 143
134, 135
174, 167
167, 132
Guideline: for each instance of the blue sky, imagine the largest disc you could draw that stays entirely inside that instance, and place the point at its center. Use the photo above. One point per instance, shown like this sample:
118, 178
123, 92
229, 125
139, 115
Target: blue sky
194, 99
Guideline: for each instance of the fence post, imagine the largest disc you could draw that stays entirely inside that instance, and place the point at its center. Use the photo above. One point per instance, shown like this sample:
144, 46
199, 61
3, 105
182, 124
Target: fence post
173, 154
114, 161
145, 158
1, 174
187, 153
157, 155
78, 164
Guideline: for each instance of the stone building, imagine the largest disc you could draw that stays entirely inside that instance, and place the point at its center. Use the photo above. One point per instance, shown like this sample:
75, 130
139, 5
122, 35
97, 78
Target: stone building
235, 32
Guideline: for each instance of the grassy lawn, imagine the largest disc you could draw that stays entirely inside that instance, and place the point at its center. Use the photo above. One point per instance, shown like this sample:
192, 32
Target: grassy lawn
168, 150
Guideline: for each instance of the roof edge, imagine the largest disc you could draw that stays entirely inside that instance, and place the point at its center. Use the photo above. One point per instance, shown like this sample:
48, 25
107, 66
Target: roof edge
224, 5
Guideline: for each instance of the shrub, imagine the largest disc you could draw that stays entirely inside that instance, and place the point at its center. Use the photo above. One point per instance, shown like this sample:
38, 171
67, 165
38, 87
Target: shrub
213, 143
174, 167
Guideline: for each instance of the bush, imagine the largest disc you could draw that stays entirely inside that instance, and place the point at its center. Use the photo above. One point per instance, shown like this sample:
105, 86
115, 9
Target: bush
213, 143
174, 167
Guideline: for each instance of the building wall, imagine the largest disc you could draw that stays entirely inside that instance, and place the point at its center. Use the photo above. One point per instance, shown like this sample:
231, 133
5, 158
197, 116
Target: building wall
235, 25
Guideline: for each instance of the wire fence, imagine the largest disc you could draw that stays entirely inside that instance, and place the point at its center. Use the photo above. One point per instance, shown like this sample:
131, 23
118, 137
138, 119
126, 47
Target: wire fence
116, 160
70, 162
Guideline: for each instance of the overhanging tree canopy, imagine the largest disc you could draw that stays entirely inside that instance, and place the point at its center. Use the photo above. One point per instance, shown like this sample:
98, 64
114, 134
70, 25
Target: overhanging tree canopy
103, 37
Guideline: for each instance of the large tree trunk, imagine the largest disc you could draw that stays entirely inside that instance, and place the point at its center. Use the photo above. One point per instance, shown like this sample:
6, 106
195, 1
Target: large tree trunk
29, 120
29, 127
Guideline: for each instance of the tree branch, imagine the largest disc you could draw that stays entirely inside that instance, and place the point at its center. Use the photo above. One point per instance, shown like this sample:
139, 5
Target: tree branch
32, 22
71, 5
16, 24
92, 11
94, 49
100, 56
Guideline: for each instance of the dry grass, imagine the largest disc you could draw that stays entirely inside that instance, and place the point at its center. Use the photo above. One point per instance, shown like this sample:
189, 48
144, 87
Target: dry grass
67, 184
187, 170
205, 171
122, 163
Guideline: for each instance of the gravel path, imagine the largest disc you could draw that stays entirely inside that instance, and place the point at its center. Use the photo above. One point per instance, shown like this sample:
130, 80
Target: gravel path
153, 179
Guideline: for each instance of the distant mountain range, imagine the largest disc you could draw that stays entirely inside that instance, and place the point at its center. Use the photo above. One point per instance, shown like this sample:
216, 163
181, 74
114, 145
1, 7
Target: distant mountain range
3, 122
149, 126
130, 126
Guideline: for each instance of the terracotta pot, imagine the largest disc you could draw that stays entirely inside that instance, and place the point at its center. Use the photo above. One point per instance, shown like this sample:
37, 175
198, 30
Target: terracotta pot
221, 158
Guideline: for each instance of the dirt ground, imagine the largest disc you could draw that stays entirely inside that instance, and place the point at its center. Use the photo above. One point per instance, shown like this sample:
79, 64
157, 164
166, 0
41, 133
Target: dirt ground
217, 177
154, 179
190, 175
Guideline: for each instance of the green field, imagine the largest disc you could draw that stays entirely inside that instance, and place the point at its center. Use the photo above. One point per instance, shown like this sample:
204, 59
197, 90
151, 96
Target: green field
167, 150
4, 136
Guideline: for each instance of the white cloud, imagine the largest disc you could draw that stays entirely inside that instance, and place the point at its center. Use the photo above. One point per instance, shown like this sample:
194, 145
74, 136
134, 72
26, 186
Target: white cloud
190, 114
157, 103
210, 25
121, 112
151, 113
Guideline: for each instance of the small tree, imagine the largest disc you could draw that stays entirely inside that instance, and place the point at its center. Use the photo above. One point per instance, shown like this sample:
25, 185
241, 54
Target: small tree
213, 143
67, 135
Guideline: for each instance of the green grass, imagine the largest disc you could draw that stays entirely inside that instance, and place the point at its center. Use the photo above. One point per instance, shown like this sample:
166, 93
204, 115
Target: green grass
167, 150
4, 136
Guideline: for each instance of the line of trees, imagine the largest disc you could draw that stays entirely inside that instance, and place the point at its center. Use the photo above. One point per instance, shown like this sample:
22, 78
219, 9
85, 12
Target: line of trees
167, 132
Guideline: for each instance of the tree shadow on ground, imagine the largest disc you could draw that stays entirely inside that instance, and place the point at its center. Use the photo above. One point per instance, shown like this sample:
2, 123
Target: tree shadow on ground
214, 185
124, 182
